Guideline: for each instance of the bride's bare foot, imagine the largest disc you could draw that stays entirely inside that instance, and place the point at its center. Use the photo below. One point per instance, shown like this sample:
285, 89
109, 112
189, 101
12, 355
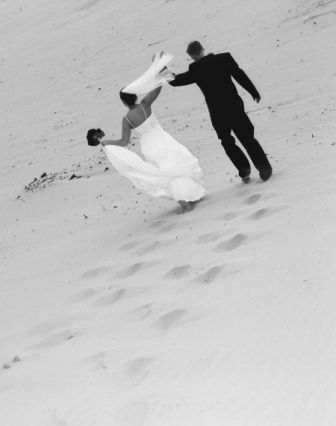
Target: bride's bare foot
186, 206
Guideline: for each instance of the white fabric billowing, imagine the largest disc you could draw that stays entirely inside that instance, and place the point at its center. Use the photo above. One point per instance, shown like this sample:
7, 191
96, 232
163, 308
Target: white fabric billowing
170, 170
156, 76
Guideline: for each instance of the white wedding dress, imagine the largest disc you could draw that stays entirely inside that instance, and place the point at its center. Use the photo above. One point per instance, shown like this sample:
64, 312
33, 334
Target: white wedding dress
169, 169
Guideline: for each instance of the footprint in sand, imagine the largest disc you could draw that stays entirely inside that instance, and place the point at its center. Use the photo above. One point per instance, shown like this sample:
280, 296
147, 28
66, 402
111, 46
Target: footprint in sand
147, 249
94, 273
252, 199
83, 295
167, 228
55, 340
129, 270
208, 238
177, 272
157, 224
231, 244
171, 319
137, 369
229, 215
111, 299
97, 359
155, 245
46, 327
131, 245
133, 269
259, 214
209, 276
142, 311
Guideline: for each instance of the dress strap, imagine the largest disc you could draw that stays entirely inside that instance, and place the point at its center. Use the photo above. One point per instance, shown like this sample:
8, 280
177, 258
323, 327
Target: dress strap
143, 109
129, 122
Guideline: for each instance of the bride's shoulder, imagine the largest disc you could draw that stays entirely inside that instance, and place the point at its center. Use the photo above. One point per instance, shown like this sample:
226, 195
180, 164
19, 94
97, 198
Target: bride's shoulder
132, 114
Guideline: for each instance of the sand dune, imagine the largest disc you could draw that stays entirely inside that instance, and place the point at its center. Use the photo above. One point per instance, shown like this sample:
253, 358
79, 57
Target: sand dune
115, 310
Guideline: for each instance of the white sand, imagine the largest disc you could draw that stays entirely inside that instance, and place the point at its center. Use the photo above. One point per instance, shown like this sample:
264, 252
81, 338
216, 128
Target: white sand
119, 311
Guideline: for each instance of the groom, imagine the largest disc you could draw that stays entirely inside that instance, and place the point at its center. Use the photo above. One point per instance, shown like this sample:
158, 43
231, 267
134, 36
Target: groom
213, 74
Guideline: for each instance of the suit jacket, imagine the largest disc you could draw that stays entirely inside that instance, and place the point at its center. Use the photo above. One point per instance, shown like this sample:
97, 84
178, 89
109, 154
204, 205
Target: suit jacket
213, 74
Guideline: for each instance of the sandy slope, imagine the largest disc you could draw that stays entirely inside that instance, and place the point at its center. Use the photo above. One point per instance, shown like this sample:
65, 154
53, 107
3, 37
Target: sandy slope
115, 310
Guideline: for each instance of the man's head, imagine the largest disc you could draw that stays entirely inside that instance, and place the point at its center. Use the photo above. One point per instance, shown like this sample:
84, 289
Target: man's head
195, 50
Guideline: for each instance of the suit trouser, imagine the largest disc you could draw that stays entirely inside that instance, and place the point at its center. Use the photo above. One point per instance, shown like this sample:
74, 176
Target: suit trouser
236, 120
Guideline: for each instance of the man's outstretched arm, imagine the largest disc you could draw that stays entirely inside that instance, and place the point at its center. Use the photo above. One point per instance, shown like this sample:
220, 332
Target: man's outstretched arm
182, 79
239, 75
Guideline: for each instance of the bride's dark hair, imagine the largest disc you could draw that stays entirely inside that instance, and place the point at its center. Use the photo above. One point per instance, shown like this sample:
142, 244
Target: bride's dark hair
128, 98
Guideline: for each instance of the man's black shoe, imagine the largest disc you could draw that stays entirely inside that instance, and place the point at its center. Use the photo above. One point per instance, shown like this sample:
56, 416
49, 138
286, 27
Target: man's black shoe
246, 179
265, 174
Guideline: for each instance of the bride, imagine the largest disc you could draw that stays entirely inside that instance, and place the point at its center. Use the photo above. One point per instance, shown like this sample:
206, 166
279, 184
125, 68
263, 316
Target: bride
169, 169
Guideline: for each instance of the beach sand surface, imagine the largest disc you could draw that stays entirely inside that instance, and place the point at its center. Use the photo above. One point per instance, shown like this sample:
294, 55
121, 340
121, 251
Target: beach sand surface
114, 309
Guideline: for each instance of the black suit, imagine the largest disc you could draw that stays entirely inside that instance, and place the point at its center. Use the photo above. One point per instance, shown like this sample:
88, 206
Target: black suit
213, 74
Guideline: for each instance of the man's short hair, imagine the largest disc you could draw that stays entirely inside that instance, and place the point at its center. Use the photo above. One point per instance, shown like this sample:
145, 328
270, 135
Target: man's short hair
194, 48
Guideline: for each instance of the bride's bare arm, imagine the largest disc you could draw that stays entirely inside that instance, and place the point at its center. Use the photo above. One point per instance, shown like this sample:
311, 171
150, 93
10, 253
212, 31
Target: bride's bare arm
150, 98
125, 136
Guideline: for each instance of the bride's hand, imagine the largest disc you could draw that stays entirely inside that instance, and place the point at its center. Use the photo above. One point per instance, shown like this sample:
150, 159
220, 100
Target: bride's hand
158, 54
